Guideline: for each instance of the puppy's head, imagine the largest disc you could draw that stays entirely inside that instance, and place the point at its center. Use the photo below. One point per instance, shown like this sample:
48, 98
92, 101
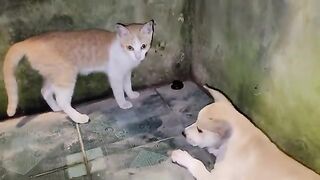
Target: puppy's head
212, 127
208, 131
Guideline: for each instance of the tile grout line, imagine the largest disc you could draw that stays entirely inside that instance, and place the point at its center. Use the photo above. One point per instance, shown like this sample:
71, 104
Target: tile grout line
166, 103
51, 171
48, 172
84, 155
162, 98
158, 141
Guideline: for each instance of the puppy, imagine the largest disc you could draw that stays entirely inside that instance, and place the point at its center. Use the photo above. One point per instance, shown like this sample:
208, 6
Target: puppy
242, 151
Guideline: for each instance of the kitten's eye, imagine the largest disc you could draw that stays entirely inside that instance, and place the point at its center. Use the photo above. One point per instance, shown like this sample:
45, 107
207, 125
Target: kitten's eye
199, 130
130, 48
143, 46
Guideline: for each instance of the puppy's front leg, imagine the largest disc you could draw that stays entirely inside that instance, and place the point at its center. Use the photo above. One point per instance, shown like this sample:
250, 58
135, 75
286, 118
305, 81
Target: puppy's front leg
195, 167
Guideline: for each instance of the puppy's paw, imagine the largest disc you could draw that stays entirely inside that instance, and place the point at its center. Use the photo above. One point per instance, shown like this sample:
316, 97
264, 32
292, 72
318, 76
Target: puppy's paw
181, 157
125, 105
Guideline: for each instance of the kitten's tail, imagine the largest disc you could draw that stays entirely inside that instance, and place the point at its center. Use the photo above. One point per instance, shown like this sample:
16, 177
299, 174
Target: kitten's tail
12, 59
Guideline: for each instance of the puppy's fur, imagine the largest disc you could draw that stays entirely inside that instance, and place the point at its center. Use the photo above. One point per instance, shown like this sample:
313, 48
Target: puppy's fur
243, 152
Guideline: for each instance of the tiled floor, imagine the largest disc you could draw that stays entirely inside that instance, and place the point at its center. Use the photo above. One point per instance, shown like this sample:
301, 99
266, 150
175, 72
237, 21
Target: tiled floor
119, 144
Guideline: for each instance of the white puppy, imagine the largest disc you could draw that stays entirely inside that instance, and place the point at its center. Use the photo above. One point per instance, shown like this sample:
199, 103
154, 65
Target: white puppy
242, 151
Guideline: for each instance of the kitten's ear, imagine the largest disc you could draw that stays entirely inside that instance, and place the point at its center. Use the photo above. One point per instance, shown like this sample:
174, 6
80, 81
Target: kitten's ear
122, 31
148, 27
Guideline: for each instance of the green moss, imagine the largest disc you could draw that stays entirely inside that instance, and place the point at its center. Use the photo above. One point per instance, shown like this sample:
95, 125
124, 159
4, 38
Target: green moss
3, 97
266, 60
187, 15
97, 83
29, 85
3, 102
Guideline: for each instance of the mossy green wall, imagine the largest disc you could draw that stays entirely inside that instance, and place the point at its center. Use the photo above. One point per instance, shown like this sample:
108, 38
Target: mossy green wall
262, 53
265, 55
165, 62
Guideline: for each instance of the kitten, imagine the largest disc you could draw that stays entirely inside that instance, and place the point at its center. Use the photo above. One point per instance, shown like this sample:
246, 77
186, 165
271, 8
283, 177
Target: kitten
60, 56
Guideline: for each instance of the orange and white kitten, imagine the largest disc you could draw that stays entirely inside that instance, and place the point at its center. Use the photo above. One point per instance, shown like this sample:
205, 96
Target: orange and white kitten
60, 56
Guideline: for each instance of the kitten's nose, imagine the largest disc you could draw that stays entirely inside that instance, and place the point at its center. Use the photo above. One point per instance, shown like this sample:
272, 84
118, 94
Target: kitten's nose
184, 134
138, 56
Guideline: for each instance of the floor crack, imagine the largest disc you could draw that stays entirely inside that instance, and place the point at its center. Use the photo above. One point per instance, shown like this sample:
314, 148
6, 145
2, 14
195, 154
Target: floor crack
84, 155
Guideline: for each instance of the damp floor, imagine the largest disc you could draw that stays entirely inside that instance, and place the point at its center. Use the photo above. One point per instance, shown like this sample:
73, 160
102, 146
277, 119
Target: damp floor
132, 144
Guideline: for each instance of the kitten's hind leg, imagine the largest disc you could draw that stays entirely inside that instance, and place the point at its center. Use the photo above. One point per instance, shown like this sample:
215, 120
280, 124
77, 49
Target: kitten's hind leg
47, 94
63, 97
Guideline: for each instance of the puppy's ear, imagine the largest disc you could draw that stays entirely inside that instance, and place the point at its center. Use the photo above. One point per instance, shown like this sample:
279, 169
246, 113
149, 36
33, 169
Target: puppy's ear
222, 128
216, 94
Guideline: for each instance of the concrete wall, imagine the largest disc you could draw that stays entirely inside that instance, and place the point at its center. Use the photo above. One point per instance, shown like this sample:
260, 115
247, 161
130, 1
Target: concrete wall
265, 56
262, 53
166, 60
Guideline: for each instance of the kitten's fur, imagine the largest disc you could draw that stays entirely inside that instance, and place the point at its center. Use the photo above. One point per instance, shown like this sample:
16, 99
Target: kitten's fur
60, 56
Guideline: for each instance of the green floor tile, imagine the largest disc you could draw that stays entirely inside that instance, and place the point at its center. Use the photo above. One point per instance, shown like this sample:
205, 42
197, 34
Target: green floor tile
147, 158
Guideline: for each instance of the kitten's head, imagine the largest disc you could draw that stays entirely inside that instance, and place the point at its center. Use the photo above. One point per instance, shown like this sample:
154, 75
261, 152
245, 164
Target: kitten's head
136, 39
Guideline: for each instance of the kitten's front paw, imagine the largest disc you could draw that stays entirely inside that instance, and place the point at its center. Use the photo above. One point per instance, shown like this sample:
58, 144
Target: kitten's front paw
125, 105
133, 95
181, 157
82, 118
